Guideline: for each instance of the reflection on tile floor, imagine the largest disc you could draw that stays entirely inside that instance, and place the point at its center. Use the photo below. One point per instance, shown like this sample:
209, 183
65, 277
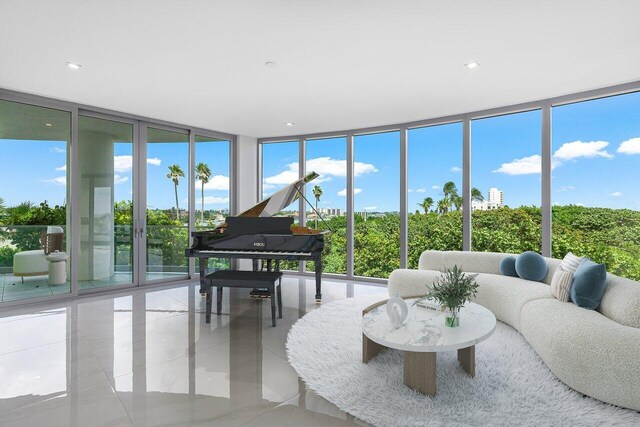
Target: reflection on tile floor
14, 288
146, 357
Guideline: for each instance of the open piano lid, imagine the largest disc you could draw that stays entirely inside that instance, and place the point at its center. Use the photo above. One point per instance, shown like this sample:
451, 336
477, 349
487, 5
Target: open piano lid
280, 199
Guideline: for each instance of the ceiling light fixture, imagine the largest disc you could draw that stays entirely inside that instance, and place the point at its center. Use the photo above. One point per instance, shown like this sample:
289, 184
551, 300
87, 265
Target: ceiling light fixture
74, 66
289, 124
472, 65
271, 64
48, 124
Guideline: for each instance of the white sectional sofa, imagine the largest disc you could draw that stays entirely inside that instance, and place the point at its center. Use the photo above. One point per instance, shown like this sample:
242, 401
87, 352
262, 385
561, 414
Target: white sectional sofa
596, 352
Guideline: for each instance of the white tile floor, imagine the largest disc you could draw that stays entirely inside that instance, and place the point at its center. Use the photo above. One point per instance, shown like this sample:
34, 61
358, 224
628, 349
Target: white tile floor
146, 357
14, 288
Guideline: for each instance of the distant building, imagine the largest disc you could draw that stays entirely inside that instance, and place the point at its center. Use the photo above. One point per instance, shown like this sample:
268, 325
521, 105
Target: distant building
329, 212
494, 200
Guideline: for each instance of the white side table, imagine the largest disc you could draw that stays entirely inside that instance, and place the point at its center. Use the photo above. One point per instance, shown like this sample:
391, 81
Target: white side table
57, 267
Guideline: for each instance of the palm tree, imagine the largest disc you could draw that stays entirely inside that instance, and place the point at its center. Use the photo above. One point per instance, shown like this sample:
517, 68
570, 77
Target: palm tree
456, 201
426, 204
317, 193
175, 173
203, 173
476, 195
444, 205
449, 189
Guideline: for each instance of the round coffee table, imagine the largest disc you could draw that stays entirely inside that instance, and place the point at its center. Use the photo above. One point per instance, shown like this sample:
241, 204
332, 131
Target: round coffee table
422, 336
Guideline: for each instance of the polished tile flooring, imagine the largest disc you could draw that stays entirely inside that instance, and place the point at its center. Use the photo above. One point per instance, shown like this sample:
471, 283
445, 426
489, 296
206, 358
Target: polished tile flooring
146, 357
14, 288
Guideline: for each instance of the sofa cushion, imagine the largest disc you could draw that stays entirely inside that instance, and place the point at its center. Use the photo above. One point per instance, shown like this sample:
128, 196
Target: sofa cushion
621, 301
592, 354
508, 266
505, 295
531, 266
588, 284
561, 285
406, 283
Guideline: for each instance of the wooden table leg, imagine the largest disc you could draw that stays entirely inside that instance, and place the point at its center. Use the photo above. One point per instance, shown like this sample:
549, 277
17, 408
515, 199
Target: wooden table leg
419, 372
467, 358
370, 349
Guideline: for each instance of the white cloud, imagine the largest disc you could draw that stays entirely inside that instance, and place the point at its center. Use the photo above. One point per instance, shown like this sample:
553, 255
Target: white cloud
343, 192
122, 163
213, 200
630, 146
60, 180
455, 169
119, 179
524, 166
409, 190
577, 149
616, 194
579, 204
62, 168
268, 186
326, 167
421, 190
370, 208
216, 182
566, 188
57, 150
435, 187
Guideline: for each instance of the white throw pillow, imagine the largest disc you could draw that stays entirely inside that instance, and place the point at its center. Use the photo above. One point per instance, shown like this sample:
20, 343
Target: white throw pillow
570, 262
561, 285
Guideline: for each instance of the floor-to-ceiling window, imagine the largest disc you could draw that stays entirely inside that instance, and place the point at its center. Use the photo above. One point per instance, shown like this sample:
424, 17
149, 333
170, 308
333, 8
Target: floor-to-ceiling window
34, 191
212, 186
376, 195
505, 180
434, 162
280, 167
167, 215
328, 158
105, 202
596, 176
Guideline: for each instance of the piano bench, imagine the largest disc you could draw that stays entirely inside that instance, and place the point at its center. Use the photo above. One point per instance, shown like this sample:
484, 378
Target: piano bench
270, 280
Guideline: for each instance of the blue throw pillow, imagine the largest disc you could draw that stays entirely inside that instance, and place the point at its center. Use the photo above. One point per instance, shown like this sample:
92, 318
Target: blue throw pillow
508, 266
588, 284
531, 266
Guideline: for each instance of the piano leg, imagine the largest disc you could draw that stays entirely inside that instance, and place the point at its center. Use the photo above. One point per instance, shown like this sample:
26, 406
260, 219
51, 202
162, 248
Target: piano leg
203, 272
318, 263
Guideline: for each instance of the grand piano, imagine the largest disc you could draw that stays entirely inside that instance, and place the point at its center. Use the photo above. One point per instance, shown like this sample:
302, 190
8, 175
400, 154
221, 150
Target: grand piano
256, 234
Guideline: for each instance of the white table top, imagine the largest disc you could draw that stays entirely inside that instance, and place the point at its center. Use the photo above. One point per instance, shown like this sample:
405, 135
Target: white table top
425, 331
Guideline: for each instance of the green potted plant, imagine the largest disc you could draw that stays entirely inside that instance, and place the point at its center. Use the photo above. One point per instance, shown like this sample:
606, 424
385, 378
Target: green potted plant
451, 290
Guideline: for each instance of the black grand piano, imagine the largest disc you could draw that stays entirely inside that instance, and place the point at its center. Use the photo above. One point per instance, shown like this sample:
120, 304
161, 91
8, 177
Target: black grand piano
256, 234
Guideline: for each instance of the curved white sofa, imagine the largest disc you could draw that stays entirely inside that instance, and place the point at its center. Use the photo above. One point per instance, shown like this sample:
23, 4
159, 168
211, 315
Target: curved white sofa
596, 352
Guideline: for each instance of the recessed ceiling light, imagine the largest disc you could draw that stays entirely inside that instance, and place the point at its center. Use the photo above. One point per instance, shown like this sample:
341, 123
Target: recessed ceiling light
472, 65
73, 66
48, 124
289, 124
271, 64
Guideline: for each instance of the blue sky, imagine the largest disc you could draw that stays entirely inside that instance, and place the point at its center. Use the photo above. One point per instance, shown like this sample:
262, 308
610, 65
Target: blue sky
44, 178
596, 159
596, 152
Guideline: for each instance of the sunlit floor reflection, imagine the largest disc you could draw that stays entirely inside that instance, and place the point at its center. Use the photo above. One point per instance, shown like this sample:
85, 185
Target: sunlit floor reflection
147, 357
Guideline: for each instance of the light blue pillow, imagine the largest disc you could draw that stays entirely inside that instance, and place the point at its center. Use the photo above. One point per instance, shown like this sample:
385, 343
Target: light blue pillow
531, 266
508, 266
588, 284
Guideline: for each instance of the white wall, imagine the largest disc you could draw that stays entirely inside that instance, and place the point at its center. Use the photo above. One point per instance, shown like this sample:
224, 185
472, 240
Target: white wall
246, 167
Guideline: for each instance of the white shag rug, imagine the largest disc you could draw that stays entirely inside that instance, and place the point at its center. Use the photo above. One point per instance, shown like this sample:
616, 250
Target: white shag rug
512, 386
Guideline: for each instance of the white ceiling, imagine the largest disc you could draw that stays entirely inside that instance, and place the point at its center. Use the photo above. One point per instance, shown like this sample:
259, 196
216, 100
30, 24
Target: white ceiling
342, 64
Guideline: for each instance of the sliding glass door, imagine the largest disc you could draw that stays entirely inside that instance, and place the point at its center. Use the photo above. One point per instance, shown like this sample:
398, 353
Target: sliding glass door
106, 202
166, 219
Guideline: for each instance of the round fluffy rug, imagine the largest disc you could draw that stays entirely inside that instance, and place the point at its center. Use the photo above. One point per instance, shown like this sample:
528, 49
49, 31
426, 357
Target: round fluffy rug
512, 385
